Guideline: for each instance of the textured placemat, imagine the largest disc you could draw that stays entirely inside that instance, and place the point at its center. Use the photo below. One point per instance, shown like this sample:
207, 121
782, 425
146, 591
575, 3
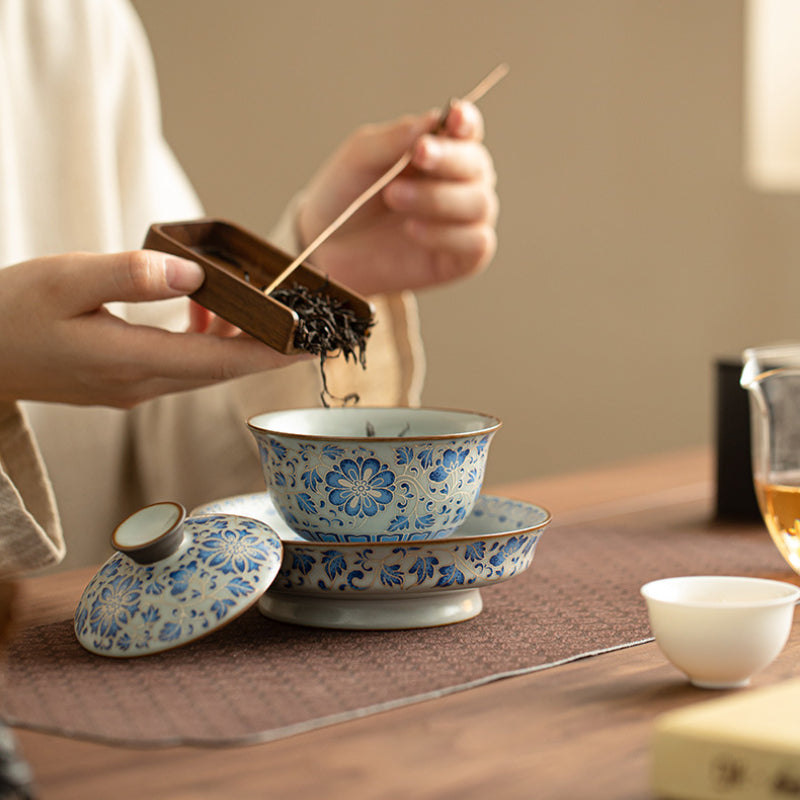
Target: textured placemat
257, 679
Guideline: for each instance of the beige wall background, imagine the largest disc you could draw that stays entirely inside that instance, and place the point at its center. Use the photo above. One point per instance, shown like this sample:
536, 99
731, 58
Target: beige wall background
632, 252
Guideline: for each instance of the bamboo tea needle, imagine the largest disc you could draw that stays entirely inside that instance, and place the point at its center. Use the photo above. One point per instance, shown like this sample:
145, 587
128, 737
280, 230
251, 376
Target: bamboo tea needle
473, 96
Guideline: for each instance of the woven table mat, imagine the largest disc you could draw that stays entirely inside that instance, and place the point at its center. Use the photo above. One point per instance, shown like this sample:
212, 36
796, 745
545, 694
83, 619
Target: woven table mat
257, 679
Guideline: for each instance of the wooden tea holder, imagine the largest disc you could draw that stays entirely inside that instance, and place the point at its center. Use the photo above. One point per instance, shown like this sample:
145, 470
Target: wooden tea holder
238, 267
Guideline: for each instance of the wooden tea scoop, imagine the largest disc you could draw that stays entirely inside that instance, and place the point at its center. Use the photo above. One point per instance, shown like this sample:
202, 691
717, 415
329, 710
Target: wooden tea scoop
497, 74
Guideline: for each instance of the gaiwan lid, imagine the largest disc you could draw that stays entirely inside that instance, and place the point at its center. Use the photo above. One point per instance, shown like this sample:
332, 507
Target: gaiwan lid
173, 580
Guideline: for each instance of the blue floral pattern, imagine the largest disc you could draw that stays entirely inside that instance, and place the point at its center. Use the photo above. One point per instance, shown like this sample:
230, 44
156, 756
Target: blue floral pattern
395, 490
222, 567
496, 541
416, 567
360, 487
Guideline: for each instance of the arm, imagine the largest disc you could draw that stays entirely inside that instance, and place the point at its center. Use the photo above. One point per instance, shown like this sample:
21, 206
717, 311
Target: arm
60, 343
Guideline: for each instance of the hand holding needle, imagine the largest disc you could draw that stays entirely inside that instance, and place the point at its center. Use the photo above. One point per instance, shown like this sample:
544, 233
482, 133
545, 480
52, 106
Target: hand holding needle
473, 96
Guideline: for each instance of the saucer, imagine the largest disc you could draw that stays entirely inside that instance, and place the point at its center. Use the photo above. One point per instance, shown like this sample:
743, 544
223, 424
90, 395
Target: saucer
393, 585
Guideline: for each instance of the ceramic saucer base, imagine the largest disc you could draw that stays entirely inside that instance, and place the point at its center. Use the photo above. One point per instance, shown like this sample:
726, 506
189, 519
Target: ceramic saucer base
423, 610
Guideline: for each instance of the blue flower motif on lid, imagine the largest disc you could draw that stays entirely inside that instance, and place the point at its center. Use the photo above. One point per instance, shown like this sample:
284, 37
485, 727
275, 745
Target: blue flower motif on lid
234, 550
181, 577
115, 604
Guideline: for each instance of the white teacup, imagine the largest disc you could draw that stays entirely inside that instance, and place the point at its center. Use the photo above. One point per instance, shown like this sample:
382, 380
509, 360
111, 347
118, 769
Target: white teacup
720, 630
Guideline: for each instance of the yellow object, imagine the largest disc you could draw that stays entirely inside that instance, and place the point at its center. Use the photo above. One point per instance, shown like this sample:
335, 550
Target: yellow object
745, 745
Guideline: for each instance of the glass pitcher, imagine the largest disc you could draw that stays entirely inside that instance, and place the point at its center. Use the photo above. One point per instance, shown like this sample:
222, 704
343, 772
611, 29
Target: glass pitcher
772, 377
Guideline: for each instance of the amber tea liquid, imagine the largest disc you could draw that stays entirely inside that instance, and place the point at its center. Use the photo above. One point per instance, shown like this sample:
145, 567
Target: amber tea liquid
780, 507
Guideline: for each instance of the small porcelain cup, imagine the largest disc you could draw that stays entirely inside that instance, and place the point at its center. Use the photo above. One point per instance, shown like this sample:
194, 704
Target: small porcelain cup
720, 630
365, 474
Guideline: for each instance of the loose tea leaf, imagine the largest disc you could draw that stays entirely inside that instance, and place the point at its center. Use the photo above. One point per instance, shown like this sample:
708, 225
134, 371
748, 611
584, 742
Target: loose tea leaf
371, 430
327, 326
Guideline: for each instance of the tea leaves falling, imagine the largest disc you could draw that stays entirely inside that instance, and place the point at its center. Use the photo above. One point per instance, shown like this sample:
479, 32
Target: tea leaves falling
327, 325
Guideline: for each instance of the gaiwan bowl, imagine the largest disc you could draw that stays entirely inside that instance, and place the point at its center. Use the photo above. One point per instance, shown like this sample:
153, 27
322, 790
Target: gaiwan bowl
720, 630
373, 474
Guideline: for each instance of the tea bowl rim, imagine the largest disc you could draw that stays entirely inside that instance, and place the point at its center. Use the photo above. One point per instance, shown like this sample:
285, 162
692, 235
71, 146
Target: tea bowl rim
650, 593
494, 423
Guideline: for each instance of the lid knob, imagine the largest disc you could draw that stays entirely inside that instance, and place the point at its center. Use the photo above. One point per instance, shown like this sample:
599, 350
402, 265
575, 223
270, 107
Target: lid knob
152, 533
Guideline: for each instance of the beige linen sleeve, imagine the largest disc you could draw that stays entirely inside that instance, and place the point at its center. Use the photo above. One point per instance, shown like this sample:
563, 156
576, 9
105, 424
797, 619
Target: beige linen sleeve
30, 531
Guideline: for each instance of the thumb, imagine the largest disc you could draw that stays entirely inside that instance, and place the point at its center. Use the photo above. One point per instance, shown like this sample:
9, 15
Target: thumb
134, 276
378, 145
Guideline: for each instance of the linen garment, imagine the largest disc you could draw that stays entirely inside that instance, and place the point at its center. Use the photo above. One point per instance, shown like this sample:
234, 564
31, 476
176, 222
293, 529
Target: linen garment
84, 167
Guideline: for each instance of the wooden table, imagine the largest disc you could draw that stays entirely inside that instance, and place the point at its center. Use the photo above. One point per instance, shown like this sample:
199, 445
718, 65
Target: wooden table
573, 731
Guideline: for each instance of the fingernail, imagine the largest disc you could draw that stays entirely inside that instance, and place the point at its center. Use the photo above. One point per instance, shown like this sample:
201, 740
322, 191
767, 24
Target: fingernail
464, 129
428, 153
183, 275
464, 126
